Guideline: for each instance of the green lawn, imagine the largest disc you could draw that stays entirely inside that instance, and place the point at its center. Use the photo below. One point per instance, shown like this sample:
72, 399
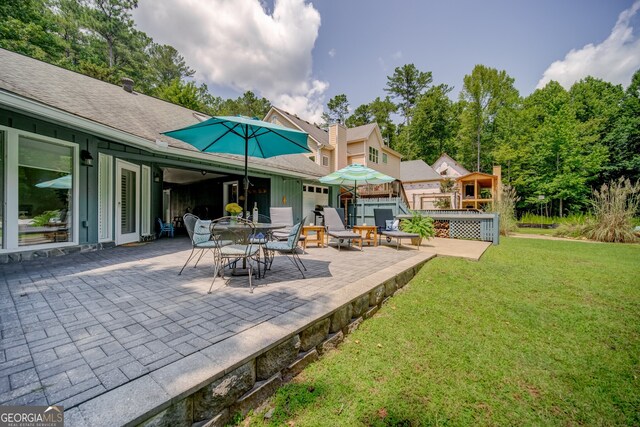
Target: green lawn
536, 333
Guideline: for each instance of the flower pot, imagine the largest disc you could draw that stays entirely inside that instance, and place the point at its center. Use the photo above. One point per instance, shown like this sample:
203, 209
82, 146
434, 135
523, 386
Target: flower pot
416, 241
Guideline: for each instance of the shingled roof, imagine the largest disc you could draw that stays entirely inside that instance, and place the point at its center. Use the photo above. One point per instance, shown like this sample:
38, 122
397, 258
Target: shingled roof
315, 132
360, 132
108, 104
417, 170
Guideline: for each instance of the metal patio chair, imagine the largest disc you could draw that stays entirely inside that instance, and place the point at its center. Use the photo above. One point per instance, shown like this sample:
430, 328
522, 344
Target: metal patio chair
240, 250
288, 247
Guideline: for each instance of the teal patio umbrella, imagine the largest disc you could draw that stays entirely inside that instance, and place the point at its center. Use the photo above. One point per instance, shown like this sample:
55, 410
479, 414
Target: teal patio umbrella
356, 174
64, 183
242, 136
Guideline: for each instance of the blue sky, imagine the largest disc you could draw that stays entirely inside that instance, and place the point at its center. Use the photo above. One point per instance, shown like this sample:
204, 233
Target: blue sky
299, 54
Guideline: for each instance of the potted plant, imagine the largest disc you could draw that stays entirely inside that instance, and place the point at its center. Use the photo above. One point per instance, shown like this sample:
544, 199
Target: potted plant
233, 209
418, 224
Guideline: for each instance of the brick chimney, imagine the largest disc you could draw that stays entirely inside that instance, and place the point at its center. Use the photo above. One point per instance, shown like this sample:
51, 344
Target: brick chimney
338, 139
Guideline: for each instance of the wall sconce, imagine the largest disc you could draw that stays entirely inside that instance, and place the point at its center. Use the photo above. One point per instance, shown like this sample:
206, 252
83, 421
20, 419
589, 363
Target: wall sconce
203, 172
156, 177
86, 157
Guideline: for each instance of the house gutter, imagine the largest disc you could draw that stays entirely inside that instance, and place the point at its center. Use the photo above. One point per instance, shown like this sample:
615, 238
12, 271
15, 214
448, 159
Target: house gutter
42, 111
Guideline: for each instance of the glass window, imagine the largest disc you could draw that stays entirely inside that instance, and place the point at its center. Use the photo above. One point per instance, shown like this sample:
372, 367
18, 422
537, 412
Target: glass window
45, 192
325, 160
1, 189
373, 155
312, 158
384, 158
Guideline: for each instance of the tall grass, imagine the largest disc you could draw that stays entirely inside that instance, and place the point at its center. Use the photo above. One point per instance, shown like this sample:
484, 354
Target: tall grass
574, 218
506, 207
614, 207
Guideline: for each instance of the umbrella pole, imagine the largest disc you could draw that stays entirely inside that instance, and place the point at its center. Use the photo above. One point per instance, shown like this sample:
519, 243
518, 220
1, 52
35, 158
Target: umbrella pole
246, 173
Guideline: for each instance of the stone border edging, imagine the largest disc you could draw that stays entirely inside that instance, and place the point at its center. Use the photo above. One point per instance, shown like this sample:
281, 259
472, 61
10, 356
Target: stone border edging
237, 374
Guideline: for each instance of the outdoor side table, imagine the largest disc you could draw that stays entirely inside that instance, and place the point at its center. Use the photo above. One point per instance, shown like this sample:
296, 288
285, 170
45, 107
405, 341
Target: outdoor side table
318, 232
369, 233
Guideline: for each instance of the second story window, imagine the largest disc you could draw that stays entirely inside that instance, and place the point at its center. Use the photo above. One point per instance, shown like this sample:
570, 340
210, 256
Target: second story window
385, 159
373, 155
325, 160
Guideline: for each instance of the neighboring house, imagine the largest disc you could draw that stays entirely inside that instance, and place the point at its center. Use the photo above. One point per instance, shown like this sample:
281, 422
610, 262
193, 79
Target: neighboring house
83, 162
449, 168
422, 185
341, 146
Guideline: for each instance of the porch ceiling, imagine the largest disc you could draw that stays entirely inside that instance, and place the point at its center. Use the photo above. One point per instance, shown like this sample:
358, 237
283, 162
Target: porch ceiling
185, 176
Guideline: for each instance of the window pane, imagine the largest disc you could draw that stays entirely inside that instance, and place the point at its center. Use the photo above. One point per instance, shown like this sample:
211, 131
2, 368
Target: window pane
45, 192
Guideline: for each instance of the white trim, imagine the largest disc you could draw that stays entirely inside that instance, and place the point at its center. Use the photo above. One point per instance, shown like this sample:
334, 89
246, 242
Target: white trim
55, 115
11, 185
135, 236
105, 163
145, 201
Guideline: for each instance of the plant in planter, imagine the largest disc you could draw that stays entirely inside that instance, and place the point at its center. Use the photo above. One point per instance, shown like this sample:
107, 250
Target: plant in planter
418, 224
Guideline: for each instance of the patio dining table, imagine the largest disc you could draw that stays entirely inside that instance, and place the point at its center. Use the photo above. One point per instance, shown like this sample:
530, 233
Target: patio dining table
245, 230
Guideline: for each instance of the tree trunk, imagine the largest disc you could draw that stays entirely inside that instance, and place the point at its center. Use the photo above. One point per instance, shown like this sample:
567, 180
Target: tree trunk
479, 131
561, 215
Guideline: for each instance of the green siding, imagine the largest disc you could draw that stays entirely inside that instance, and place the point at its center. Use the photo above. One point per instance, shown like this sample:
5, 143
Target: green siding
280, 186
289, 188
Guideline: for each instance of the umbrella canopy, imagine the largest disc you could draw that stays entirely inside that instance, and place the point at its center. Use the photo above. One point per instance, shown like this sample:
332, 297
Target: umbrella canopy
64, 183
242, 136
356, 174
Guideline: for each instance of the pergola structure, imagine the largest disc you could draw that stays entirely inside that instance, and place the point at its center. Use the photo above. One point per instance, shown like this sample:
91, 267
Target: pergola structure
477, 190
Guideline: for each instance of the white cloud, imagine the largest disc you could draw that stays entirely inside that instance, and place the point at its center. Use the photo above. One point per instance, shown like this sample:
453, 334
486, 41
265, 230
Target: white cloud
614, 60
239, 45
332, 52
397, 55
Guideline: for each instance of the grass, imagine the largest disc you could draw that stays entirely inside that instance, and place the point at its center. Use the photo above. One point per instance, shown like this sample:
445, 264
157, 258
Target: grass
544, 231
536, 333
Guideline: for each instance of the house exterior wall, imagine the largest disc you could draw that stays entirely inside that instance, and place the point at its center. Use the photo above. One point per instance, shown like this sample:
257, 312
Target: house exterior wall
392, 167
354, 148
85, 228
416, 190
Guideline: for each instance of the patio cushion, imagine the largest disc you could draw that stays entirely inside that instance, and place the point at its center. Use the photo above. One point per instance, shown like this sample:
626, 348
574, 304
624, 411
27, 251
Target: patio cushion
213, 244
400, 234
278, 246
239, 250
344, 234
392, 225
201, 231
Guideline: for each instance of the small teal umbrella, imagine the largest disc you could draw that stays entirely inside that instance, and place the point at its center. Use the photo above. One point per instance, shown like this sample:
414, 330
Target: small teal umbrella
242, 136
355, 174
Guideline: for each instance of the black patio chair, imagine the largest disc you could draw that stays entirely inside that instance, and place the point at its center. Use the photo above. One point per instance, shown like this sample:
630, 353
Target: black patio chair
382, 218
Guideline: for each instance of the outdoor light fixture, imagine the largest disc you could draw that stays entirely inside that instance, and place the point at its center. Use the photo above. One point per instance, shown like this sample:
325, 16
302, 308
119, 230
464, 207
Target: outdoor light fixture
156, 177
86, 157
203, 172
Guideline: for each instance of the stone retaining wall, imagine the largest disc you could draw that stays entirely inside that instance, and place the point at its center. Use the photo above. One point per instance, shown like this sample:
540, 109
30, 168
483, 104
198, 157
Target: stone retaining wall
248, 385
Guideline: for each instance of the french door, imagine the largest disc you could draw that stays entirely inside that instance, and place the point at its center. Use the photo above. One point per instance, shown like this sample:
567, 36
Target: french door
127, 202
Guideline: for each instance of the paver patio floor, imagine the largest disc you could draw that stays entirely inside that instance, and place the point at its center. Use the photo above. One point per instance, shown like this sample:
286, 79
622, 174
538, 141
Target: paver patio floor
75, 327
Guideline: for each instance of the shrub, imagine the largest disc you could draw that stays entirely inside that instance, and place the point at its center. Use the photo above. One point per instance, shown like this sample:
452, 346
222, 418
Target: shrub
614, 207
422, 225
44, 218
506, 207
